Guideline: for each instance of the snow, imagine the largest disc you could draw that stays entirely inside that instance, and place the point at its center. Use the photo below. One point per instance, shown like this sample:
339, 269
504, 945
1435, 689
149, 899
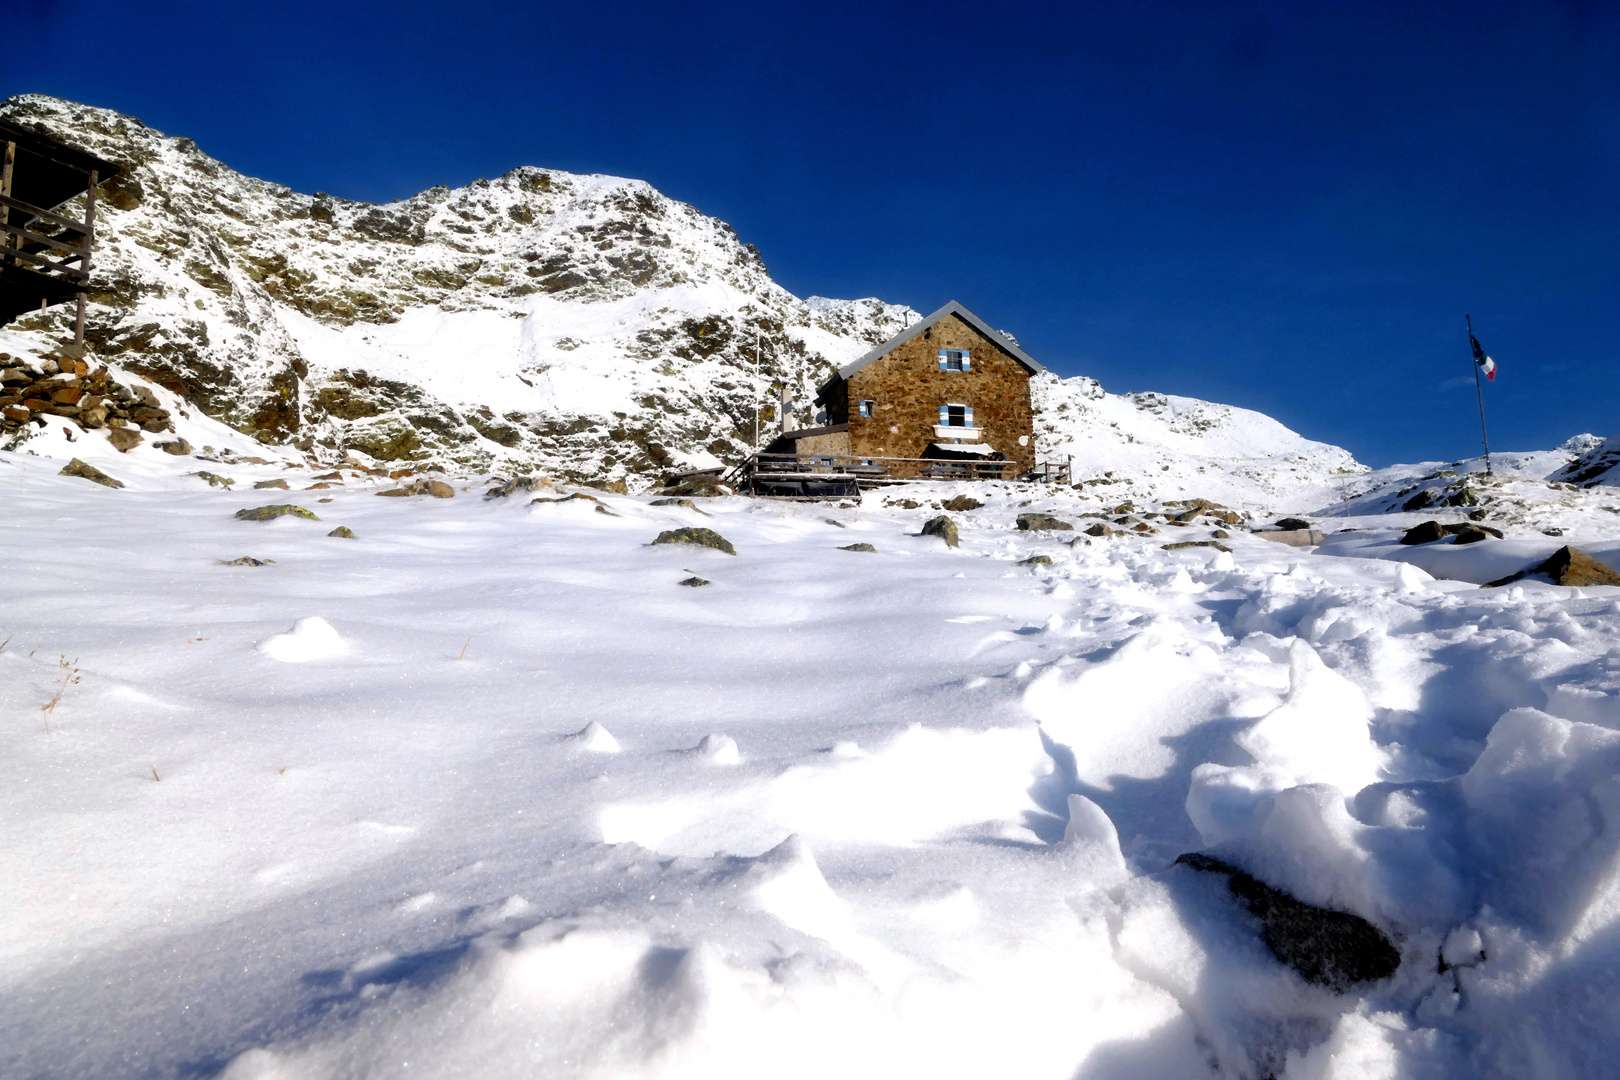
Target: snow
486, 792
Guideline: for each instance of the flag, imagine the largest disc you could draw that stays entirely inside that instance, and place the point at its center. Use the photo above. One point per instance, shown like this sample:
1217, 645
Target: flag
1486, 364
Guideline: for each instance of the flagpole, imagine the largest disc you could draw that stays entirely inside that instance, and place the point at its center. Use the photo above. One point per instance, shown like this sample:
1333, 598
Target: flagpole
1479, 392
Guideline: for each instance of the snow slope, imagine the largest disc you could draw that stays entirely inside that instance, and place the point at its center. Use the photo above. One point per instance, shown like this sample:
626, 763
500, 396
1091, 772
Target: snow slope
486, 792
1156, 446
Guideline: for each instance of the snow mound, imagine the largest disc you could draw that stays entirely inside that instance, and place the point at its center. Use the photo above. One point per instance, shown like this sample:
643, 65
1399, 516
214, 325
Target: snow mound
311, 638
595, 738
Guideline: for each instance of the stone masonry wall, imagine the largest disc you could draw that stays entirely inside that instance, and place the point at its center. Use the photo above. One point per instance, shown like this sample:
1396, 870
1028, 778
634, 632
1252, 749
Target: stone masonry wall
907, 389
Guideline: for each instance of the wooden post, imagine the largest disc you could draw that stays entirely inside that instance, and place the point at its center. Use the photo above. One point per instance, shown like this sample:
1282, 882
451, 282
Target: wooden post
5, 188
84, 261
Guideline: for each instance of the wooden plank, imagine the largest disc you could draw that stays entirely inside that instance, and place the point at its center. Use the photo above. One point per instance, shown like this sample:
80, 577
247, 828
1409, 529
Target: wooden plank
54, 219
39, 260
35, 238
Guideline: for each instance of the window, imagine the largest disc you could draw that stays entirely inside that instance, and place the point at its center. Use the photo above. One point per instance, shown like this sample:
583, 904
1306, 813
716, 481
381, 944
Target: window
955, 360
866, 408
956, 416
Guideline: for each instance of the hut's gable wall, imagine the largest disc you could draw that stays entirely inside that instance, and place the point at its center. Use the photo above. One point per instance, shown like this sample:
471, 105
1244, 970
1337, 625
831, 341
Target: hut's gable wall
906, 388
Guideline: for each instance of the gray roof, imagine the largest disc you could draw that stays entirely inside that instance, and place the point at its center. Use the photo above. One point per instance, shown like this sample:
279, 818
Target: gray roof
952, 308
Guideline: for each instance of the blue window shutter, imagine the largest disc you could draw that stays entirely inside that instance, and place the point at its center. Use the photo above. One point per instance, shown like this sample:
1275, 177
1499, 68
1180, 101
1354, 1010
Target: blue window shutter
967, 364
942, 360
944, 416
969, 416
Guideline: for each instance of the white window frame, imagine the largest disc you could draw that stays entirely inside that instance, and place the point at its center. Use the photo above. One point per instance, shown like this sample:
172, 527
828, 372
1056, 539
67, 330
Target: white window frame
955, 359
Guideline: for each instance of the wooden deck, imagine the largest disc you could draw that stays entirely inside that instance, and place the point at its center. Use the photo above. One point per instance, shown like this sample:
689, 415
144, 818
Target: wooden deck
45, 256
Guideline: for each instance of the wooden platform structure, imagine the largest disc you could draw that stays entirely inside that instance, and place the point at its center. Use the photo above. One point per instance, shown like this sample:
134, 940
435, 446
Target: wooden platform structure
45, 257
835, 476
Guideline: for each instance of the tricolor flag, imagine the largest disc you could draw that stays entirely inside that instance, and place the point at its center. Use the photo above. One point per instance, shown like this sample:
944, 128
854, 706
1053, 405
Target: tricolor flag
1486, 364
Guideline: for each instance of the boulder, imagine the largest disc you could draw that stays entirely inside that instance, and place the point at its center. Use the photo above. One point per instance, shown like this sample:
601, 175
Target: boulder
89, 472
687, 503
1221, 534
177, 447
344, 532
1196, 543
1334, 949
696, 582
438, 489
942, 527
600, 509
857, 547
1039, 522
701, 537
265, 513
1098, 528
124, 439
1289, 524
1426, 533
1567, 566
961, 504
1036, 560
264, 484
246, 560
213, 480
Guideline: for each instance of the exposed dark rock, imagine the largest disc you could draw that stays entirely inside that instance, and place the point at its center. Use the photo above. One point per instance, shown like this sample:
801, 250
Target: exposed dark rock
1466, 532
264, 484
1421, 501
1038, 522
961, 504
1036, 560
696, 582
1098, 528
1221, 534
177, 447
265, 513
246, 560
344, 532
89, 472
1288, 524
701, 537
857, 547
1329, 948
687, 503
944, 528
215, 480
575, 497
1426, 533
600, 509
1196, 543
1567, 566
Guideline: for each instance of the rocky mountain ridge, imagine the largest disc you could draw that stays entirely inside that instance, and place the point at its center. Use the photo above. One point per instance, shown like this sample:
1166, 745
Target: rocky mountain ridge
586, 325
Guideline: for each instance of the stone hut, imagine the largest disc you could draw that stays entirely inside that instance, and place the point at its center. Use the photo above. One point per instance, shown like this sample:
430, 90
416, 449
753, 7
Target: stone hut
949, 388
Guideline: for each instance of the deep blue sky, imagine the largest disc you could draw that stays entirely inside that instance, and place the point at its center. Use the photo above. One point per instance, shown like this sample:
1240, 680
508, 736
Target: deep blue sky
1283, 206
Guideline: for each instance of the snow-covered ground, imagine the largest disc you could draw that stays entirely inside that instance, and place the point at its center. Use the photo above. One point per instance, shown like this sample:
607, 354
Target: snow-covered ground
486, 792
